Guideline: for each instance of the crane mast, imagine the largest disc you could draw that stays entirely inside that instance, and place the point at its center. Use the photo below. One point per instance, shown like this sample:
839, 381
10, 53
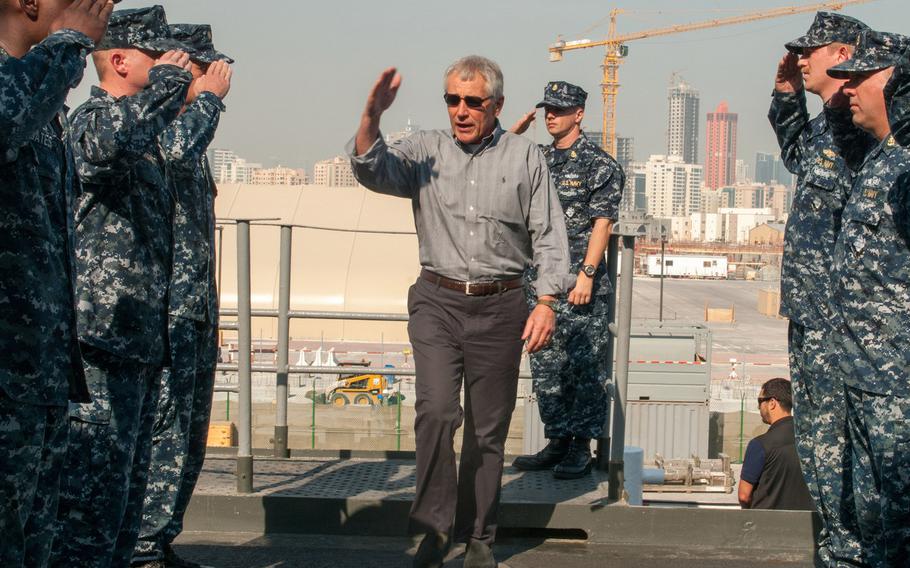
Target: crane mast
616, 50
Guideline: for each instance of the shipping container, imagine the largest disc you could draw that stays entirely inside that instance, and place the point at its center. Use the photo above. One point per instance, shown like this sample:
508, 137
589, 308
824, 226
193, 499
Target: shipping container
688, 266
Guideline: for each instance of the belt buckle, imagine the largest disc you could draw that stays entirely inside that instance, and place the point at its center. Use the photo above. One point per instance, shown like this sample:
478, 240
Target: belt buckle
467, 288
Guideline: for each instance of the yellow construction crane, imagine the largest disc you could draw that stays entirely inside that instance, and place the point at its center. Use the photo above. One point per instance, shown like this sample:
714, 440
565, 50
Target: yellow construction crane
616, 49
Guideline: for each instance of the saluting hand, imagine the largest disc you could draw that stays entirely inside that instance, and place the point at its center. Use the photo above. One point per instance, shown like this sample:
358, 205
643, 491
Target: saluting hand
87, 16
217, 80
383, 94
789, 78
524, 122
174, 57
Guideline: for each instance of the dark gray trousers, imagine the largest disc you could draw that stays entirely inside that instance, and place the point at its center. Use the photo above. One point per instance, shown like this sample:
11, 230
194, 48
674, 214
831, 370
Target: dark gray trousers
475, 340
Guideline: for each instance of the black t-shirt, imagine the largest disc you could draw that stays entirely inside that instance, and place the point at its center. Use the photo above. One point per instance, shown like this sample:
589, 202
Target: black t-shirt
771, 465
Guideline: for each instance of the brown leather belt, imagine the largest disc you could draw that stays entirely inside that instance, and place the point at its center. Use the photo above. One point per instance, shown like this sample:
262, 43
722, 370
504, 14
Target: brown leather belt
485, 288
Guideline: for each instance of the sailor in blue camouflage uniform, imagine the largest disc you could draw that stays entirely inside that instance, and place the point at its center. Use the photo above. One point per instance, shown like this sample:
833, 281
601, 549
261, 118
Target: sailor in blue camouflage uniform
41, 368
822, 189
872, 277
123, 258
570, 374
185, 402
897, 93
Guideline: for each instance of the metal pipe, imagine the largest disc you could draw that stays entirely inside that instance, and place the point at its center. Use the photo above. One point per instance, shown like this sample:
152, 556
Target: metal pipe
603, 443
621, 383
313, 417
315, 314
663, 244
280, 444
220, 249
244, 363
398, 418
301, 370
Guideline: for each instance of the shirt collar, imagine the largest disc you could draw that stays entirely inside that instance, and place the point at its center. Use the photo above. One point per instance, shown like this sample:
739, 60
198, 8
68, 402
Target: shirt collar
781, 422
99, 93
489, 141
887, 147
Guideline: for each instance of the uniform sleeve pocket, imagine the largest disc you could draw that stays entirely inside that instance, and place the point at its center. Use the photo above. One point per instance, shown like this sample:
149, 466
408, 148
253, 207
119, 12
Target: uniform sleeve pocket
823, 179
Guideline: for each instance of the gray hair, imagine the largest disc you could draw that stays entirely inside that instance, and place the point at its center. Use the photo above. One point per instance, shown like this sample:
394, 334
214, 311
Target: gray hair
468, 66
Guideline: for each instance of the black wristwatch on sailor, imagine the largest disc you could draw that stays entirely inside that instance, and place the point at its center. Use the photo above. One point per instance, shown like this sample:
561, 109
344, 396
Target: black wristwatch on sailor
589, 270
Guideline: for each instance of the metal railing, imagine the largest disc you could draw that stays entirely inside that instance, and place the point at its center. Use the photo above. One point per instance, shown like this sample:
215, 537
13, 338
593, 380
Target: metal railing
621, 331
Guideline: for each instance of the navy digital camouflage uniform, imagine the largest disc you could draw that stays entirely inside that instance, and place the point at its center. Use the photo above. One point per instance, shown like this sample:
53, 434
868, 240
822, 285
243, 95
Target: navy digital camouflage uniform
123, 256
872, 272
184, 406
822, 188
897, 93
41, 368
570, 372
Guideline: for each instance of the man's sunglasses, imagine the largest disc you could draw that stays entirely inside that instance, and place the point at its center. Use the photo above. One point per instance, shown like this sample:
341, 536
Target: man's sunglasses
471, 102
762, 399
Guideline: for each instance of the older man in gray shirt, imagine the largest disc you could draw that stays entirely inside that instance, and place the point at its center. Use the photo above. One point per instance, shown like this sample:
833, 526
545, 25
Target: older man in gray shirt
485, 210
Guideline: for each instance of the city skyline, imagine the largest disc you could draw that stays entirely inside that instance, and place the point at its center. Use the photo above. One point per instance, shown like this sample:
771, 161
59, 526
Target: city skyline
297, 95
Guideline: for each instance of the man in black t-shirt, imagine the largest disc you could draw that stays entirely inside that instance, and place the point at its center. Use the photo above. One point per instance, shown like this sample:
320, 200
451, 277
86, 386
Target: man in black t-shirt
771, 477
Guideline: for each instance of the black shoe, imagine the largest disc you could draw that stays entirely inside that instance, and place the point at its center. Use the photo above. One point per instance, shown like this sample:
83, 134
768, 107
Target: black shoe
432, 550
479, 555
553, 453
577, 462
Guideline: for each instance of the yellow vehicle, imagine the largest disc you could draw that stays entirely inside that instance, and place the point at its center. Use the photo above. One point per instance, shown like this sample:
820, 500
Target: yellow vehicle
359, 390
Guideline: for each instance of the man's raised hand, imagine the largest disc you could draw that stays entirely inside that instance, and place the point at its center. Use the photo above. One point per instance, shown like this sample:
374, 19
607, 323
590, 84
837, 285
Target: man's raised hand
174, 57
789, 78
524, 122
383, 94
217, 80
87, 16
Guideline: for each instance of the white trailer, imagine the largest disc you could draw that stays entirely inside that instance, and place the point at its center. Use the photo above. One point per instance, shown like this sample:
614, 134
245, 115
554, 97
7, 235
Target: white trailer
688, 266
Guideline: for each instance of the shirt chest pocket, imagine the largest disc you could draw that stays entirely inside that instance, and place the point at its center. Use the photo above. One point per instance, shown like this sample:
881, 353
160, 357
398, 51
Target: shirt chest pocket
861, 223
820, 186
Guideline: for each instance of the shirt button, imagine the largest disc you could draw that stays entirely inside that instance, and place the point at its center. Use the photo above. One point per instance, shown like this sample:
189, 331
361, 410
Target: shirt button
472, 182
471, 233
472, 259
471, 208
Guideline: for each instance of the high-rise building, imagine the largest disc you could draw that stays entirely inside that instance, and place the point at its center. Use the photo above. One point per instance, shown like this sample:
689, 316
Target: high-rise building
634, 196
625, 151
720, 161
682, 121
228, 167
672, 187
219, 158
770, 169
742, 172
335, 172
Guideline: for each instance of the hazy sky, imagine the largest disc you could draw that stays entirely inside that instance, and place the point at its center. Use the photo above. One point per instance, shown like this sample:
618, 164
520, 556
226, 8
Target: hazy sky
304, 68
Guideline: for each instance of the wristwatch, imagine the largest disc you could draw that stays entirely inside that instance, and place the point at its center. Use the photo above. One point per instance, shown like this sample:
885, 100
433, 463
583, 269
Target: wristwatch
548, 303
589, 270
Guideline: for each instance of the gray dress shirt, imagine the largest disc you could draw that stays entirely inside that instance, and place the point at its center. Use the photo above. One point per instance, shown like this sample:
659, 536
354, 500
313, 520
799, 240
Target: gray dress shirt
482, 213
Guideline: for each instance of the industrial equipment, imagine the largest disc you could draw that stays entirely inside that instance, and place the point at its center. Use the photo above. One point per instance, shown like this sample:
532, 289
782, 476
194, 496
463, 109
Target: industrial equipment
616, 50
